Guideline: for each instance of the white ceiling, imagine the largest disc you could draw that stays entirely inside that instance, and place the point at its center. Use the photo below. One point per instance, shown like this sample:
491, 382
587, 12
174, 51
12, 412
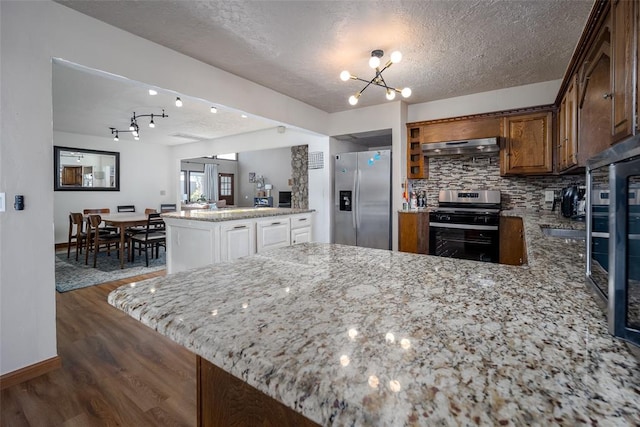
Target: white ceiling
450, 47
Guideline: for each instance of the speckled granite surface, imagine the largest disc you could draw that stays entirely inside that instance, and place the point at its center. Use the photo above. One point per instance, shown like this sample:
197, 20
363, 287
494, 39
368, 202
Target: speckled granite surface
233, 213
354, 336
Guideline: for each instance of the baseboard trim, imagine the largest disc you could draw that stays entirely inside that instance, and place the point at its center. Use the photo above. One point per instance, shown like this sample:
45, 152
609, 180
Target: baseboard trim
60, 246
29, 372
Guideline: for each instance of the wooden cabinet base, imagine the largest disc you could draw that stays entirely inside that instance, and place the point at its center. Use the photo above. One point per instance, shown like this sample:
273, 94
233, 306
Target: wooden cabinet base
225, 401
512, 244
413, 235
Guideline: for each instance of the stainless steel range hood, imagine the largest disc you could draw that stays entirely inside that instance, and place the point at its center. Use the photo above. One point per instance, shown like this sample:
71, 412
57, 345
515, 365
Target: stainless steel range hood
467, 146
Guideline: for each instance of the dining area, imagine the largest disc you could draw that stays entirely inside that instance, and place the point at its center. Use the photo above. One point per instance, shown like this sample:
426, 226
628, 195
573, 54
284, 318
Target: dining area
122, 233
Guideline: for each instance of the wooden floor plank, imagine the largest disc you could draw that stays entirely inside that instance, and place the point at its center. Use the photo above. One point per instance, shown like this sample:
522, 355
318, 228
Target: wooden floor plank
115, 371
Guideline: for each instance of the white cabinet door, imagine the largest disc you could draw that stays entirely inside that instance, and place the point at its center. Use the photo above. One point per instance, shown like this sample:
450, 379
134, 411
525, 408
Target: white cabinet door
191, 244
273, 233
300, 235
237, 239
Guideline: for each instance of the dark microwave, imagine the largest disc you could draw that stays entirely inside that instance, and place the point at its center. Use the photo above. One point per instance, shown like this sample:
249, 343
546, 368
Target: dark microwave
613, 236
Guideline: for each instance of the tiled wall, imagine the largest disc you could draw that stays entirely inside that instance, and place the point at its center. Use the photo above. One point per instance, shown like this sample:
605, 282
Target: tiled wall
483, 173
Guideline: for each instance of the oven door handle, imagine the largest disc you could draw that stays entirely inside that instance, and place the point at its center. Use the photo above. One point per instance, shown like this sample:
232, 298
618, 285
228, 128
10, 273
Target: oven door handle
464, 226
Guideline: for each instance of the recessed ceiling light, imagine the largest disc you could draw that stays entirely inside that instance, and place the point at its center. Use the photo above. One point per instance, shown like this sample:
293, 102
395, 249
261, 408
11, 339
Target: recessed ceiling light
244, 116
214, 110
153, 92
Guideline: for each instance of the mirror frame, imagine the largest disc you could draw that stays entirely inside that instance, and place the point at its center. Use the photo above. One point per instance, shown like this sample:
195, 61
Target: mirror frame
57, 185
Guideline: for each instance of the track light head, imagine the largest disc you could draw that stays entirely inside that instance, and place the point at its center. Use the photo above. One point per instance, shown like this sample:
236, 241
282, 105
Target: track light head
178, 102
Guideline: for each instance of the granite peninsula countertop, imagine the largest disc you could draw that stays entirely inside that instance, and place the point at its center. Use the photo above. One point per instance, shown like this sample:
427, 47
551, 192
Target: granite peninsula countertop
230, 214
352, 336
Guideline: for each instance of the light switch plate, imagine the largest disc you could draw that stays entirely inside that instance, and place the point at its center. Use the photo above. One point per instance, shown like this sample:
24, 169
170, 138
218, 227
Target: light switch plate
2, 197
548, 196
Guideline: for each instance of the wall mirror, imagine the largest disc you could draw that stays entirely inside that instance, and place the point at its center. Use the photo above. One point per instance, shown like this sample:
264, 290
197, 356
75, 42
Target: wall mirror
79, 169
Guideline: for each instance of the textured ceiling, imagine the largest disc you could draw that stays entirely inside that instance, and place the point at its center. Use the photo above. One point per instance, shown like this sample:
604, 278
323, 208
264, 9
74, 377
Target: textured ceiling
450, 48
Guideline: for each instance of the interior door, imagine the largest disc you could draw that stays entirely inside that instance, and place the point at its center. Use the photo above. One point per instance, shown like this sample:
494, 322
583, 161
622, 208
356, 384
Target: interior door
225, 188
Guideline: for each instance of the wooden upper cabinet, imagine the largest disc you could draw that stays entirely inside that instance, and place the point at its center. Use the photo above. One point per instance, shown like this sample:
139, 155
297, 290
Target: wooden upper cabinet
528, 145
417, 163
623, 29
594, 103
568, 127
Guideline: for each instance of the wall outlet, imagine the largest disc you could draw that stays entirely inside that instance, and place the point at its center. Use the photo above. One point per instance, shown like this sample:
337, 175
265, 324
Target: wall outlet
163, 193
548, 196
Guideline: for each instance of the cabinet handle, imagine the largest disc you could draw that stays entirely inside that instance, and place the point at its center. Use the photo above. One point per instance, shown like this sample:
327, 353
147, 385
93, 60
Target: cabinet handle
239, 226
302, 219
607, 95
276, 223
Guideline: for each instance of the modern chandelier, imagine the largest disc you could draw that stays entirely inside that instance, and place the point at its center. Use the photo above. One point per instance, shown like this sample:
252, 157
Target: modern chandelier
378, 80
133, 126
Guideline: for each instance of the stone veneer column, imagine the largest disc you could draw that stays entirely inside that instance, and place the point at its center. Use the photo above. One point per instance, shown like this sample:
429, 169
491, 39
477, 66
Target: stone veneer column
300, 176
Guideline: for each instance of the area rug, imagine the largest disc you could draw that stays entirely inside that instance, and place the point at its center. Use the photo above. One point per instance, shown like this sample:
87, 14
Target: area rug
72, 274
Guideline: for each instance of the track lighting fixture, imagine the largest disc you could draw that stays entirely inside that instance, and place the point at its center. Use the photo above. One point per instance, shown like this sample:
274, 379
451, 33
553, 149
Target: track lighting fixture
214, 110
178, 102
133, 125
377, 80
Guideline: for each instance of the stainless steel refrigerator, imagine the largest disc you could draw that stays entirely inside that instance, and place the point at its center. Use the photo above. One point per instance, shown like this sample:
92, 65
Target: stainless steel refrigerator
362, 199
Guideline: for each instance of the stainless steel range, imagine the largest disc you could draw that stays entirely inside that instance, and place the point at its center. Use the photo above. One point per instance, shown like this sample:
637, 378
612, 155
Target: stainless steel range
465, 225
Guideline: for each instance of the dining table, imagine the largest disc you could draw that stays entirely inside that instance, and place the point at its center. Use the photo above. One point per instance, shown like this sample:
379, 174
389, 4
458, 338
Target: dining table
122, 221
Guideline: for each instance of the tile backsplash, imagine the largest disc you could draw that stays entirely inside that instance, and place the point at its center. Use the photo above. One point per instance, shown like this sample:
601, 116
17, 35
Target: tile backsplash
466, 172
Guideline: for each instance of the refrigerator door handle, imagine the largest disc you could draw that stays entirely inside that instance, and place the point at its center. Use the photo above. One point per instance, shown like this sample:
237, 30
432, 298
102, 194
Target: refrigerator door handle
358, 176
354, 206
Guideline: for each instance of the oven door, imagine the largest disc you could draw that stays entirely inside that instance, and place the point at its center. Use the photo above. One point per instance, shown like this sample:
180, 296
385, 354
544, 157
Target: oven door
465, 241
624, 251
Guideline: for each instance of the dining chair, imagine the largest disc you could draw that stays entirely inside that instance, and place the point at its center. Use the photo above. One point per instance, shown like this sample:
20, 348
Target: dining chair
154, 236
108, 228
76, 233
126, 208
95, 238
168, 207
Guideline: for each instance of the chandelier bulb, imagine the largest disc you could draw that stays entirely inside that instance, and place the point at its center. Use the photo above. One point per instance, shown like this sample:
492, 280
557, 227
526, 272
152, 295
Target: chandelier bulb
406, 92
345, 75
136, 137
391, 94
396, 57
353, 99
178, 102
374, 62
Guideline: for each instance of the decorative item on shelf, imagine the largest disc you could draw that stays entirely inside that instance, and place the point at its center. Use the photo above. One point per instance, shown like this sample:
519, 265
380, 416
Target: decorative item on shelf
133, 125
378, 80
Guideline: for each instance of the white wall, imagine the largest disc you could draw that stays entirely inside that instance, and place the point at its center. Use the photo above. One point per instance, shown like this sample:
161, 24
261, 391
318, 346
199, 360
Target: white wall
273, 164
485, 102
31, 34
143, 179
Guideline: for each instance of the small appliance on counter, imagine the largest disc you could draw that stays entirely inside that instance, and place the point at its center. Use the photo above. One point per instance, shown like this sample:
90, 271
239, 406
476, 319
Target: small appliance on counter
573, 202
263, 202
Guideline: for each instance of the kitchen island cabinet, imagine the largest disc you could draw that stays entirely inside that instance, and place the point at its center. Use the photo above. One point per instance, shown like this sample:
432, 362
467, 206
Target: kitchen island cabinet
345, 335
197, 238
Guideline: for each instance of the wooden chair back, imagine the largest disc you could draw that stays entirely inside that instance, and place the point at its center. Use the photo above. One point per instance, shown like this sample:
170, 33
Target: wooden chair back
96, 211
126, 208
97, 237
150, 211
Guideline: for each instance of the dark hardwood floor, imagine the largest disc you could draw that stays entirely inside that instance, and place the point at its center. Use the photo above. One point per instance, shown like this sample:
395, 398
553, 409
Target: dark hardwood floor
115, 371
